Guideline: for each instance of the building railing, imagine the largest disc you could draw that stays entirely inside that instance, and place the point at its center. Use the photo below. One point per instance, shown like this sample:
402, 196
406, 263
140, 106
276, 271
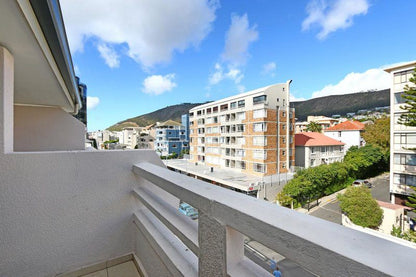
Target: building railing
216, 240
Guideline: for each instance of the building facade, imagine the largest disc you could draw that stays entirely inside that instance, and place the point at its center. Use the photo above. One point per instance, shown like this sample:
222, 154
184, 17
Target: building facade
313, 149
170, 138
252, 132
348, 132
402, 138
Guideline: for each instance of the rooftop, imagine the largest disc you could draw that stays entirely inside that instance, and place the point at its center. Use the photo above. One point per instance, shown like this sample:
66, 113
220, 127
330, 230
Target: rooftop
314, 139
347, 126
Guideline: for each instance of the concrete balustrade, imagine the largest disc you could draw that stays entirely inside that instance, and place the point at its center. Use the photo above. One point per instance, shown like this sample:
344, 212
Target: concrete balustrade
322, 247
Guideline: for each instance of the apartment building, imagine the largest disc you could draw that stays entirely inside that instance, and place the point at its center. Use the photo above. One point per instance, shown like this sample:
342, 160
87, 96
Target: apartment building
171, 138
252, 132
313, 149
402, 138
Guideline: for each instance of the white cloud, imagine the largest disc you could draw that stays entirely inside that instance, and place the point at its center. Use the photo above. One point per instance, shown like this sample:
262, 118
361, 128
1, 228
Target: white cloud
333, 14
233, 74
109, 54
158, 84
237, 40
241, 88
152, 29
372, 79
269, 68
296, 99
92, 102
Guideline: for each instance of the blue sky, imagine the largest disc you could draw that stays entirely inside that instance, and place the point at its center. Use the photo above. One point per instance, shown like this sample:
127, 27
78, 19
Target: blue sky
139, 56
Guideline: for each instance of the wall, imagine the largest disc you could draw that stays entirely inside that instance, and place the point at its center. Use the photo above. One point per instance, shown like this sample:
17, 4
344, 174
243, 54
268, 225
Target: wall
46, 129
300, 156
350, 138
63, 210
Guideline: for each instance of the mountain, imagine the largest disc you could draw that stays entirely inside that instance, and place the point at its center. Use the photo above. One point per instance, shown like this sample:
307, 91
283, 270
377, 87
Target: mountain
341, 104
327, 105
173, 112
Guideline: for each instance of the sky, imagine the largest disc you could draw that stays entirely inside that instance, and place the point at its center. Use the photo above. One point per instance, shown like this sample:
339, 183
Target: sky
137, 56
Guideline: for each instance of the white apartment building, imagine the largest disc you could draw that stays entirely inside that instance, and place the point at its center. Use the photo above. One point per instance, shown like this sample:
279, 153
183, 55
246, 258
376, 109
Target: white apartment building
402, 138
324, 121
251, 132
348, 132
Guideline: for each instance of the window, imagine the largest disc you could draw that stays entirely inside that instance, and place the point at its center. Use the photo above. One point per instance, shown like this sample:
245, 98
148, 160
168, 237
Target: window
312, 149
283, 114
404, 141
404, 179
283, 165
259, 113
215, 109
240, 152
241, 127
312, 162
283, 152
240, 140
339, 134
173, 145
259, 168
241, 103
283, 126
259, 99
402, 77
405, 159
208, 110
241, 116
233, 105
260, 154
259, 127
259, 140
224, 107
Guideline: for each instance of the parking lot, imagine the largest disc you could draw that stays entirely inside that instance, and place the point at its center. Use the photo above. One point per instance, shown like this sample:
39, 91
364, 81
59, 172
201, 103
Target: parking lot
332, 211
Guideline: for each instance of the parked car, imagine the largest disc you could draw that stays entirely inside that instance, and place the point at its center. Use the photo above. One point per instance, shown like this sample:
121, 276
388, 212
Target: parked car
359, 183
188, 210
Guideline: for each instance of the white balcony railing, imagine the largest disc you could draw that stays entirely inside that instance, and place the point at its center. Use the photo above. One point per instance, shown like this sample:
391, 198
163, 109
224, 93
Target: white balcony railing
216, 241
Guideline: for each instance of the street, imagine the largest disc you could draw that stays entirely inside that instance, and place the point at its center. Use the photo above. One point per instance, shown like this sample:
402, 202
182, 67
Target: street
332, 211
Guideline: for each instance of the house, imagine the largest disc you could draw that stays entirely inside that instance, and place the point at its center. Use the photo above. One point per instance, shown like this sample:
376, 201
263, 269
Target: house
239, 132
68, 210
393, 215
402, 138
348, 132
313, 149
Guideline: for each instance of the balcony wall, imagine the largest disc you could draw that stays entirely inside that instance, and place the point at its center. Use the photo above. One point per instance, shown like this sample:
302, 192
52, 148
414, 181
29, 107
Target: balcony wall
64, 210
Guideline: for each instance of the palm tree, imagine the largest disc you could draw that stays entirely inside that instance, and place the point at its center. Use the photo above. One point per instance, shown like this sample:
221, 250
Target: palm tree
314, 127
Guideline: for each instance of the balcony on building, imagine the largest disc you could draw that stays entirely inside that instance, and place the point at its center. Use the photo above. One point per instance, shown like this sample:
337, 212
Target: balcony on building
66, 211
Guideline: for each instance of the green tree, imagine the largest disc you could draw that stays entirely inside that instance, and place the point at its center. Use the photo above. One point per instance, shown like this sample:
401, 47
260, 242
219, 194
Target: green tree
411, 200
363, 210
378, 133
314, 127
408, 118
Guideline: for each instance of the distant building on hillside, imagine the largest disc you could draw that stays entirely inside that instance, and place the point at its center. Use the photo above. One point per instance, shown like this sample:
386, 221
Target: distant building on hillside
313, 149
348, 132
402, 138
170, 138
324, 121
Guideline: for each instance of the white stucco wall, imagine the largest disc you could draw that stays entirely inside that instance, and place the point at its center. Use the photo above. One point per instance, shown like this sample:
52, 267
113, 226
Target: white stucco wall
350, 138
63, 210
46, 129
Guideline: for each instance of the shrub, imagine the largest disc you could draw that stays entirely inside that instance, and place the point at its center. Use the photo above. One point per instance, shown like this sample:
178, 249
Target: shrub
358, 204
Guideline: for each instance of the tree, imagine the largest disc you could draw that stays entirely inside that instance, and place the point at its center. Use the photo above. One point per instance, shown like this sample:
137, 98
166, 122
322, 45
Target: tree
411, 201
378, 134
363, 210
314, 127
408, 118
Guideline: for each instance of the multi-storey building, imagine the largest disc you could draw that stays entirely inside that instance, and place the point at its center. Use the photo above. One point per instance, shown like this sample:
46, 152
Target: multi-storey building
348, 132
323, 121
252, 132
402, 138
170, 138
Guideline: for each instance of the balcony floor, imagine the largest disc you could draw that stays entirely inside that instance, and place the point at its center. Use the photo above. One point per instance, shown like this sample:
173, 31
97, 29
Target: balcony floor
127, 269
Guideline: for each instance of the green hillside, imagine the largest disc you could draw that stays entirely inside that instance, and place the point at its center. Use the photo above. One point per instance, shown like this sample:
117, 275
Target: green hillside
328, 106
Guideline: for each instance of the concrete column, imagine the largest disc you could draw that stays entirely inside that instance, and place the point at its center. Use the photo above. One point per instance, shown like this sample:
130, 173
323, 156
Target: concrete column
6, 100
212, 246
235, 247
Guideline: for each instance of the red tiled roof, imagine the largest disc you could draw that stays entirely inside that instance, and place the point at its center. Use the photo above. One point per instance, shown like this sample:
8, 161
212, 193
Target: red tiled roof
392, 206
347, 126
314, 139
